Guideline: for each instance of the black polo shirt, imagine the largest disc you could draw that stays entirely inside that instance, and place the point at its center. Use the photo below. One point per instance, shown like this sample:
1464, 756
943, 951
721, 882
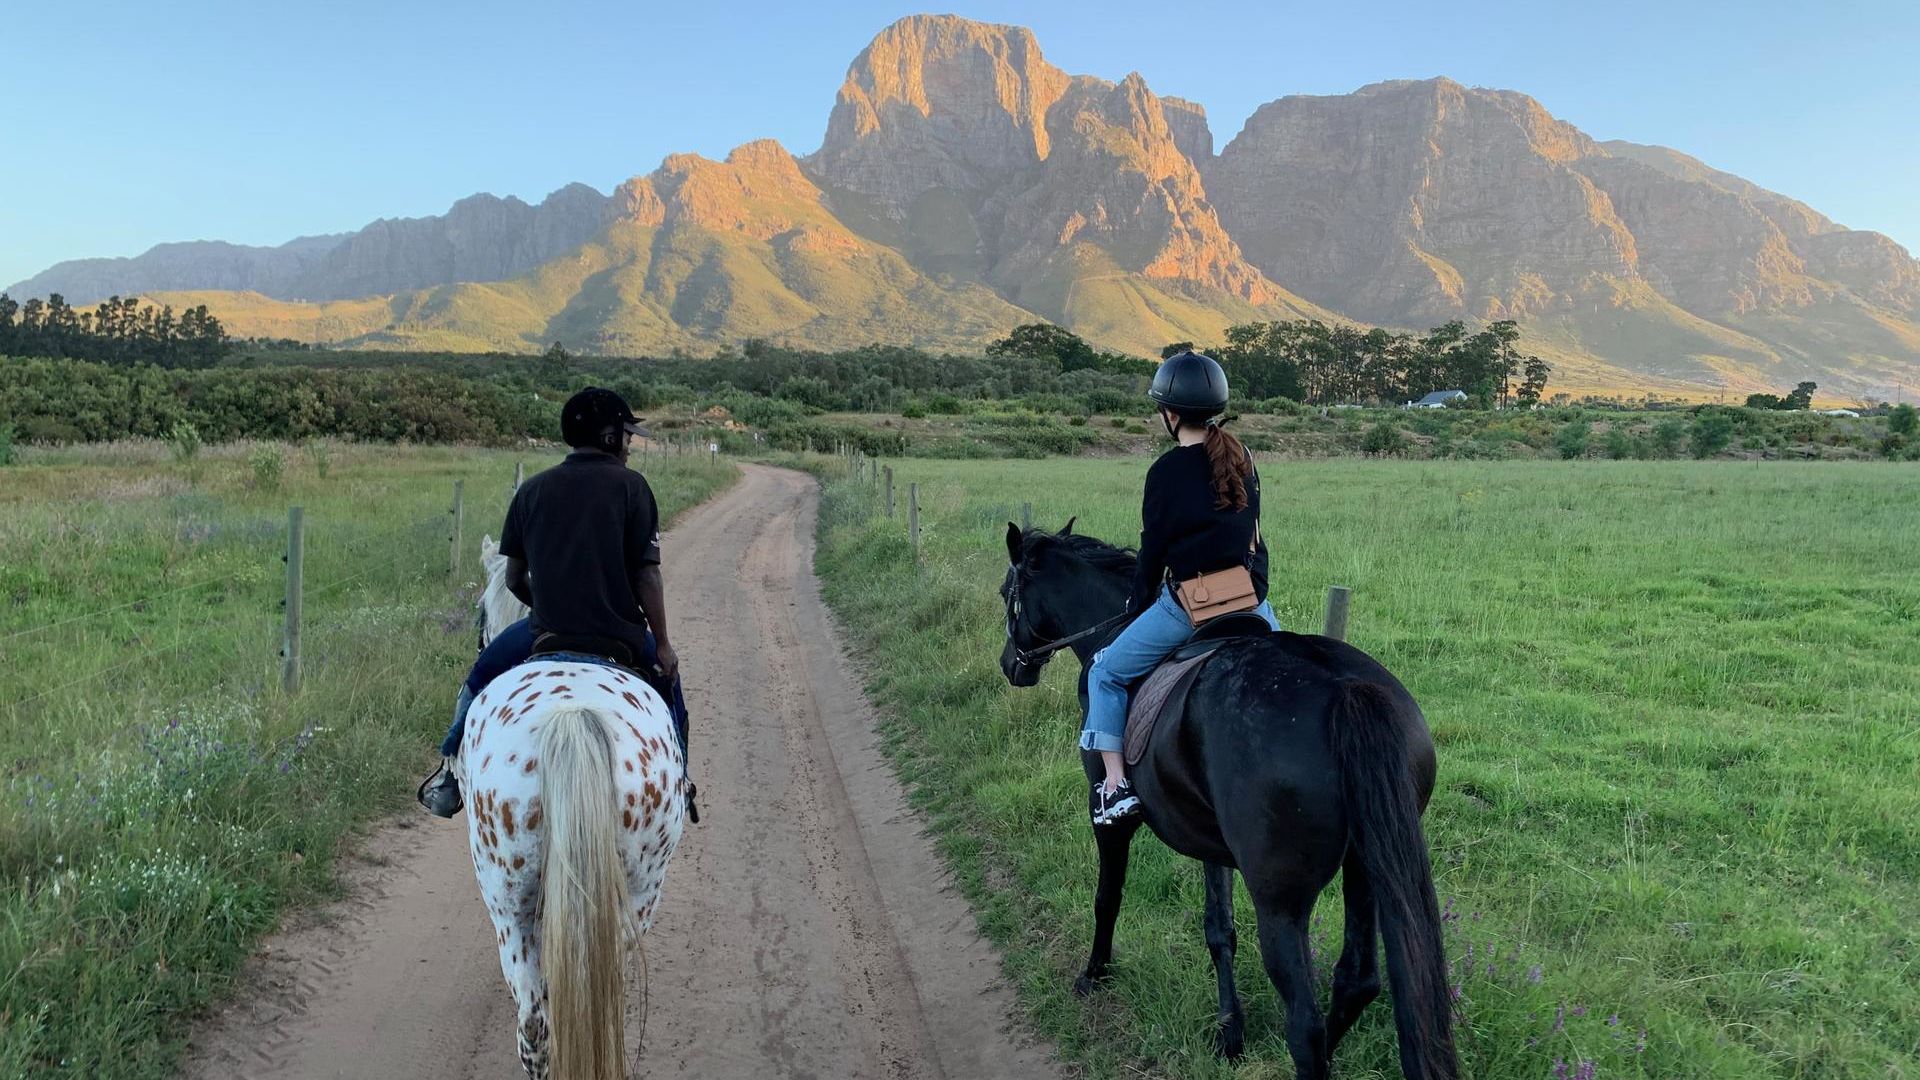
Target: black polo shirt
585, 528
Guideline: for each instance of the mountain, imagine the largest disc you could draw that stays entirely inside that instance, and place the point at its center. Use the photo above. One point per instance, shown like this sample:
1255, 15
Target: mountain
965, 185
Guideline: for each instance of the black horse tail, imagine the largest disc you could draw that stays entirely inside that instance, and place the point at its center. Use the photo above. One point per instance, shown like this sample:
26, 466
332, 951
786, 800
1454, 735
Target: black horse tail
1383, 814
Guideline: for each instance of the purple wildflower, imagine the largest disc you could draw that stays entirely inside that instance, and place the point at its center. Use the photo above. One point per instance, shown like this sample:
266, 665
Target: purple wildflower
1559, 1020
1614, 1020
1533, 975
1586, 1070
1579, 1010
1640, 1044
1560, 1069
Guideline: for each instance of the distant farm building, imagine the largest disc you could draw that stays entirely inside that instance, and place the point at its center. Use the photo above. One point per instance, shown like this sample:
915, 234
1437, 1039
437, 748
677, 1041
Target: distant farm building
1439, 399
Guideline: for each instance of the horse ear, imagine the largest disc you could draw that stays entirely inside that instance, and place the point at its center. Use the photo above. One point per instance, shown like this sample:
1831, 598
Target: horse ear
1016, 542
1068, 531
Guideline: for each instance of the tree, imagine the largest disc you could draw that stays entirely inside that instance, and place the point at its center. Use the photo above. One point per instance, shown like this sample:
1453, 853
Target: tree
1712, 430
1535, 382
1903, 420
1766, 401
1045, 341
1802, 396
1384, 438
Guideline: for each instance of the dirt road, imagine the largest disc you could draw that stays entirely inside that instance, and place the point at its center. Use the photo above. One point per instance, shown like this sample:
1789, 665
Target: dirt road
807, 930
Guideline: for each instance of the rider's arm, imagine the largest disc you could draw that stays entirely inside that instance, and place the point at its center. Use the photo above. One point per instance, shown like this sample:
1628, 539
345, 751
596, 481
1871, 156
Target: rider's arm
653, 602
643, 562
517, 581
513, 547
1153, 544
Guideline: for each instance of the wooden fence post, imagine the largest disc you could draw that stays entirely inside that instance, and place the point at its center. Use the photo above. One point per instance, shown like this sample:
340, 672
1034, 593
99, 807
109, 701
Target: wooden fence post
913, 518
889, 471
1026, 517
1338, 596
296, 583
459, 516
520, 473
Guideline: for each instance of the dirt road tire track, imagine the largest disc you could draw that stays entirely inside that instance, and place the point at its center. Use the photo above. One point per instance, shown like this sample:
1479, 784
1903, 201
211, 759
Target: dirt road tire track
808, 929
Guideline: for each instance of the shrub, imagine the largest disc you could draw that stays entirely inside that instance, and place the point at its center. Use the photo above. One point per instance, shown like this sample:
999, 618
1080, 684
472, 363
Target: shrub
321, 457
1664, 442
184, 442
1619, 445
914, 411
1384, 438
6, 444
1904, 420
1571, 440
267, 464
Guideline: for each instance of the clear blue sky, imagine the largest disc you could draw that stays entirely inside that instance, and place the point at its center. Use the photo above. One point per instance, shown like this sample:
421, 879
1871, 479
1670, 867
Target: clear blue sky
132, 124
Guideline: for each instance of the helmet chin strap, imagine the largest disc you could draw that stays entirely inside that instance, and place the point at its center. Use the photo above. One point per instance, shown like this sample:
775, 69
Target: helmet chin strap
1173, 430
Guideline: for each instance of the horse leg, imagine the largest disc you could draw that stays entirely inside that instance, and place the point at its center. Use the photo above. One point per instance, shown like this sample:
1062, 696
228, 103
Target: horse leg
509, 870
1115, 843
1283, 947
1356, 978
1222, 941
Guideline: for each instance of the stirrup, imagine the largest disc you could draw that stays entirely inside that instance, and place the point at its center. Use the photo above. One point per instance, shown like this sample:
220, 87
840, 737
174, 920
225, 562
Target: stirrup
434, 800
693, 808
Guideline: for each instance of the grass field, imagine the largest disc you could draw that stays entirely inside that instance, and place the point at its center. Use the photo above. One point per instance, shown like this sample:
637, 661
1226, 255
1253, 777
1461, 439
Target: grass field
161, 800
1678, 712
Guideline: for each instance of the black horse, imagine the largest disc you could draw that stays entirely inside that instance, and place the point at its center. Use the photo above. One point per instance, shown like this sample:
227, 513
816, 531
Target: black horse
1299, 756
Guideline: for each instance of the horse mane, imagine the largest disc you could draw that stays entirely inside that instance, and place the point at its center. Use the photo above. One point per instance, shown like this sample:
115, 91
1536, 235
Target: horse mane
1102, 556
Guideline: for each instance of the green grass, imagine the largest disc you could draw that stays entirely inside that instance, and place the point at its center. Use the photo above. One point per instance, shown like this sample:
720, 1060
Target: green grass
161, 800
1675, 705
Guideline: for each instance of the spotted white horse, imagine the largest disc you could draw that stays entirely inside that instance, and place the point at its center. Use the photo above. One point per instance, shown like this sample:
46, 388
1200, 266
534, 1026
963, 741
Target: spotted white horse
575, 796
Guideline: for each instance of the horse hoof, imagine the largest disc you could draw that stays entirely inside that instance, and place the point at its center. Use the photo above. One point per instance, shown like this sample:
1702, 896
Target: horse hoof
1087, 985
1229, 1040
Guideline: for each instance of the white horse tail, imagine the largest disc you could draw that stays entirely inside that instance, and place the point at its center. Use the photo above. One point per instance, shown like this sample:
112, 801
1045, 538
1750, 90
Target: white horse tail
585, 912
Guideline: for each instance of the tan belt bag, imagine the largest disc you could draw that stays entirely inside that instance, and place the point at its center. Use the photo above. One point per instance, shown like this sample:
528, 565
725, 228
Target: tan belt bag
1222, 592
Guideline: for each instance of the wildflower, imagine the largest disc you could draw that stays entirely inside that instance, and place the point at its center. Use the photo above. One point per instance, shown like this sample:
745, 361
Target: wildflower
1614, 1020
1559, 1020
1586, 1070
1640, 1044
1579, 1010
1533, 975
1560, 1069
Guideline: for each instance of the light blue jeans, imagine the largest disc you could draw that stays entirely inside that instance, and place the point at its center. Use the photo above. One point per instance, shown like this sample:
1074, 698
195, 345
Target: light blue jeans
1145, 642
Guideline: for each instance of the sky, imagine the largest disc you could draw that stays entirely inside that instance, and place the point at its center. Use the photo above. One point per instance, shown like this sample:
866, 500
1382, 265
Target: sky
132, 124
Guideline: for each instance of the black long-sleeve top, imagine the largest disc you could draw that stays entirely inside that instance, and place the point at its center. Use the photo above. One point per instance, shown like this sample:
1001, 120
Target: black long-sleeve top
1182, 534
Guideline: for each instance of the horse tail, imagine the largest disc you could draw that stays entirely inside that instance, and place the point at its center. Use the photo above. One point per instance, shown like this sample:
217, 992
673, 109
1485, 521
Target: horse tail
1383, 815
584, 903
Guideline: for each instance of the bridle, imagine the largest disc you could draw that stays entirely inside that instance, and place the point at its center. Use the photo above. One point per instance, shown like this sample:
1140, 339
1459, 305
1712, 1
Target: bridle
1040, 654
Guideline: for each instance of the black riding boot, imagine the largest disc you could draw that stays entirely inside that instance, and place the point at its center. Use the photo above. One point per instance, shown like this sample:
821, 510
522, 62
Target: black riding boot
440, 793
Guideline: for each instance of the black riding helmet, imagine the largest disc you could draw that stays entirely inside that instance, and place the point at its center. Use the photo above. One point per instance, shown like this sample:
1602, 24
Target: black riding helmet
1192, 385
593, 416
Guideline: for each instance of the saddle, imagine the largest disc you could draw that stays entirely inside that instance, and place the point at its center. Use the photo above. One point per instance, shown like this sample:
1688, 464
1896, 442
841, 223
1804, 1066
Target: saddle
1162, 695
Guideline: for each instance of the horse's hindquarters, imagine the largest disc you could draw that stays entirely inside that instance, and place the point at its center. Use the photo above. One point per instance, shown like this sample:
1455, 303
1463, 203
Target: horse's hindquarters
620, 742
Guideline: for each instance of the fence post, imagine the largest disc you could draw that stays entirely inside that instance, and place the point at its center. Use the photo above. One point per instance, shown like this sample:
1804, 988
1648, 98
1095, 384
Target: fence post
296, 581
1026, 517
459, 514
913, 518
520, 473
1338, 597
889, 471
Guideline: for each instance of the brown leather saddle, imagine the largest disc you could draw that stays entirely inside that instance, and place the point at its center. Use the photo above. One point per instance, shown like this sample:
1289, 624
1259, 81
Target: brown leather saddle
1161, 697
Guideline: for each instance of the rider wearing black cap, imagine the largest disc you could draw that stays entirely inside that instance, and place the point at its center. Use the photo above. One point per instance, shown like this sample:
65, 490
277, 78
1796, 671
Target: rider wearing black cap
1200, 515
588, 532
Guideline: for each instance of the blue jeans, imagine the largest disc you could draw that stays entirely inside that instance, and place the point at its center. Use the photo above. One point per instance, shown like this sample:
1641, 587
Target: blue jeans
676, 702
1139, 649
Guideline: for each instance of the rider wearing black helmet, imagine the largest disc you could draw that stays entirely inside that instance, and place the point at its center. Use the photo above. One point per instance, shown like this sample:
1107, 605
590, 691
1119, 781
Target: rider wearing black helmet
589, 532
1200, 515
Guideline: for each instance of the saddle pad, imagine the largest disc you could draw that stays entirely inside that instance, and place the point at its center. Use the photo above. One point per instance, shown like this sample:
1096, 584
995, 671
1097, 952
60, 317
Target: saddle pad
1164, 691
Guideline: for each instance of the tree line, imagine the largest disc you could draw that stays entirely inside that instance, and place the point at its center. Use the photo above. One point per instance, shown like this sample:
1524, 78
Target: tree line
121, 330
1312, 362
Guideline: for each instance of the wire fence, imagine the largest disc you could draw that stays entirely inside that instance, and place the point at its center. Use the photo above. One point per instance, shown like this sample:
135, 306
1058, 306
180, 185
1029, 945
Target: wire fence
35, 675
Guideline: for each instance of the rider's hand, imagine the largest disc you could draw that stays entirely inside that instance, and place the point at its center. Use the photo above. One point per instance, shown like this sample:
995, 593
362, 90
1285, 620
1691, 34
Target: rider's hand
667, 660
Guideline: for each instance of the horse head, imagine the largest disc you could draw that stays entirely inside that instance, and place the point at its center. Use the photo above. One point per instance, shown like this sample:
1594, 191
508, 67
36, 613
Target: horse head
1059, 589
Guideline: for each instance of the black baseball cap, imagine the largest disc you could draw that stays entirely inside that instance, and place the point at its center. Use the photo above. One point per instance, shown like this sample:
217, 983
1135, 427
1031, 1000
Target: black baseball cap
592, 411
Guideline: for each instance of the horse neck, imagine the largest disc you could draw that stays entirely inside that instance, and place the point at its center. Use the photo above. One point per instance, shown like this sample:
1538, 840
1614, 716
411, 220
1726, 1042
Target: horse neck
1097, 596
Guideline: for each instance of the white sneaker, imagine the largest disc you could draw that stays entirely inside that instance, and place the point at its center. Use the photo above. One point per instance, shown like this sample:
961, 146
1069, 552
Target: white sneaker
1115, 805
